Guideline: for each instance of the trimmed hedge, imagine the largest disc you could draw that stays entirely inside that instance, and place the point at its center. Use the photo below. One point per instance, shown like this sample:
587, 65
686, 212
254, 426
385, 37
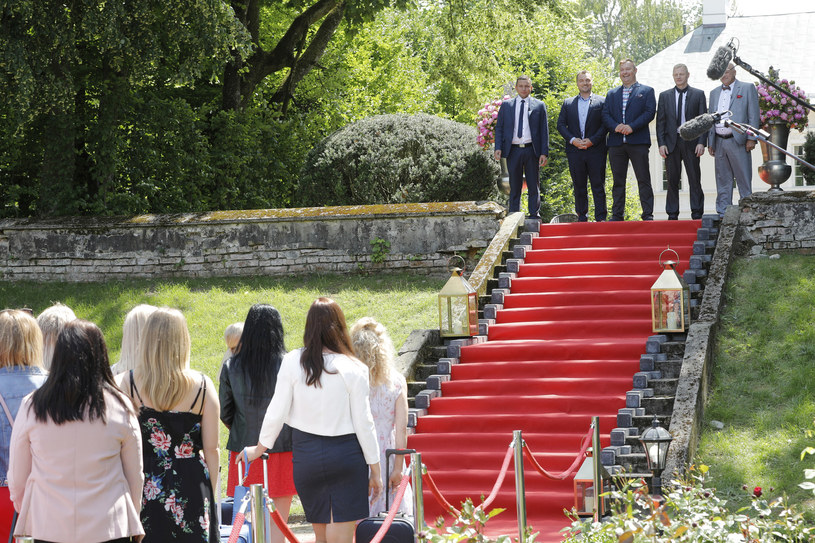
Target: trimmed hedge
396, 159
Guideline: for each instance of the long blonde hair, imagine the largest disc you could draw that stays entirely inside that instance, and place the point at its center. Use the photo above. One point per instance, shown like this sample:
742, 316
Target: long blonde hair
373, 346
132, 331
20, 339
164, 357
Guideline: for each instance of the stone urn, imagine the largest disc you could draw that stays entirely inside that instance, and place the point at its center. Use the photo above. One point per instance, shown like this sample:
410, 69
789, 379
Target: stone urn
502, 181
775, 169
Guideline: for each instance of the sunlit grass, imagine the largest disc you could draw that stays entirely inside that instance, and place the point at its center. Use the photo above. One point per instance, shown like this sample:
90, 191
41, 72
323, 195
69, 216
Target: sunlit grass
764, 380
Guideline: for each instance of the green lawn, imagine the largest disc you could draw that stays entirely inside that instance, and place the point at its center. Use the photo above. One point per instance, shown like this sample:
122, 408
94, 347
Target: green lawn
401, 302
764, 381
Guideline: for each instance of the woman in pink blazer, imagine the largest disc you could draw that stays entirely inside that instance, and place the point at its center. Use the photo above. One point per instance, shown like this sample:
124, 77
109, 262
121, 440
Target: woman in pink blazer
75, 472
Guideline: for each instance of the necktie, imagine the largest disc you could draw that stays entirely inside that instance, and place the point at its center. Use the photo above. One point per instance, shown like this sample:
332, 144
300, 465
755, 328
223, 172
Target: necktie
521, 120
679, 105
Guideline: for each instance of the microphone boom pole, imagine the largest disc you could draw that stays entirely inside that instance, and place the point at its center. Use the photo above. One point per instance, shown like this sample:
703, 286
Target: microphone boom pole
761, 76
760, 135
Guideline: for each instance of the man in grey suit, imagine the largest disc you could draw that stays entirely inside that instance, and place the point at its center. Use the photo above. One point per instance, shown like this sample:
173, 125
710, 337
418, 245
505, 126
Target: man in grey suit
676, 106
731, 149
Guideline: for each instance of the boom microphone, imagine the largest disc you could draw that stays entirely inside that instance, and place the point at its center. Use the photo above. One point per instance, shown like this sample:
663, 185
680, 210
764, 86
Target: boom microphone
697, 126
720, 61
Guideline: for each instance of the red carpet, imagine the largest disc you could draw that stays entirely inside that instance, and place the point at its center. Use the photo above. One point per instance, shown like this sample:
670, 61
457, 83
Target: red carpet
563, 349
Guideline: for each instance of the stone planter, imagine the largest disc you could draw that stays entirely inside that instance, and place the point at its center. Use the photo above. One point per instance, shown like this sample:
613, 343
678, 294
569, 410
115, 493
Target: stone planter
775, 169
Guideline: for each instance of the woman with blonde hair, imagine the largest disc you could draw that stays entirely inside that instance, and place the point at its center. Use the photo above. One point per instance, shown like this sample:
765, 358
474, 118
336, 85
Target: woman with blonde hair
389, 407
178, 414
21, 374
131, 337
75, 474
322, 394
51, 321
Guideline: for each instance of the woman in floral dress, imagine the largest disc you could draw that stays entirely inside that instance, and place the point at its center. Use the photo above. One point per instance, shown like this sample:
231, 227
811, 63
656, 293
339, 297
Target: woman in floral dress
373, 346
178, 415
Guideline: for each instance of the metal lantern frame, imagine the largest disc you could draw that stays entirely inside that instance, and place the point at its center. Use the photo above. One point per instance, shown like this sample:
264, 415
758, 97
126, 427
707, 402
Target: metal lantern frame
584, 498
655, 441
670, 299
458, 305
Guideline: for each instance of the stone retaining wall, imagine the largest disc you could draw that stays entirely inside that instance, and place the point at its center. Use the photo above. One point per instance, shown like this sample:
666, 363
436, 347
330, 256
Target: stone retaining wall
421, 238
777, 222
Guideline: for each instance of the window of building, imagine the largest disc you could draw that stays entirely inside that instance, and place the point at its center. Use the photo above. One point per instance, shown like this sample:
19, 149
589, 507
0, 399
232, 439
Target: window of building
799, 168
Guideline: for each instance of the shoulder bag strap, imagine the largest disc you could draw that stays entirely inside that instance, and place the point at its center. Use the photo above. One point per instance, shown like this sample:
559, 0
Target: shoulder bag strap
6, 409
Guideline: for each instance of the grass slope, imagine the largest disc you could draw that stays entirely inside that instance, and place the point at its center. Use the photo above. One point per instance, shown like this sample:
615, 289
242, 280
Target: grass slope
764, 381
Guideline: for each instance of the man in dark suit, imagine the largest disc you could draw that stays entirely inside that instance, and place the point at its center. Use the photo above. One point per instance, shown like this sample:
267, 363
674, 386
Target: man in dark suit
676, 106
627, 111
581, 124
730, 149
522, 137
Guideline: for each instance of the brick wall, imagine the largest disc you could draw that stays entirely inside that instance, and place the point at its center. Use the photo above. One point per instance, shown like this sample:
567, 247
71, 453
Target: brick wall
244, 243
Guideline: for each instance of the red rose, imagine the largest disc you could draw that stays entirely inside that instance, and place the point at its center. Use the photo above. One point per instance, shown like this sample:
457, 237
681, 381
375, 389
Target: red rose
184, 450
757, 492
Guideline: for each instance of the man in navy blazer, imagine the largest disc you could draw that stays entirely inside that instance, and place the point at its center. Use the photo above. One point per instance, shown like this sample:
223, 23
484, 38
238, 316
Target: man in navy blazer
581, 124
522, 137
676, 106
627, 111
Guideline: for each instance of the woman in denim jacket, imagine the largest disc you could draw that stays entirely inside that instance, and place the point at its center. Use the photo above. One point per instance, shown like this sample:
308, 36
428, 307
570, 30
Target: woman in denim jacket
20, 374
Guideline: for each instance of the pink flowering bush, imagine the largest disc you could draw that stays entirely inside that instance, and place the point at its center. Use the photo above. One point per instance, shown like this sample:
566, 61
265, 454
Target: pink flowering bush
487, 117
776, 106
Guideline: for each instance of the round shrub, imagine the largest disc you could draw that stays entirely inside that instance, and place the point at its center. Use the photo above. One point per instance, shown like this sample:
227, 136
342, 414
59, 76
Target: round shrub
396, 159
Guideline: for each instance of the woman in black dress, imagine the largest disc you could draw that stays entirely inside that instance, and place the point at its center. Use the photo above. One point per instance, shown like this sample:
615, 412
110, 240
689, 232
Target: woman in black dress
178, 415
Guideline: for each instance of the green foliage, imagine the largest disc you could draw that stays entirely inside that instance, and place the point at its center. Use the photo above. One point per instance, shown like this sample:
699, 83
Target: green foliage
397, 158
809, 156
380, 249
468, 527
639, 29
692, 511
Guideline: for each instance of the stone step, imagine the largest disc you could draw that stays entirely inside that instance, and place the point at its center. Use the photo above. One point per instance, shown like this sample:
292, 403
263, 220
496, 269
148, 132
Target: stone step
659, 405
643, 422
422, 371
663, 387
670, 368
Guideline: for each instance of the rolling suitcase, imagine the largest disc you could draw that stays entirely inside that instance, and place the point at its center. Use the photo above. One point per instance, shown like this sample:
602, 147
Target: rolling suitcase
231, 506
401, 530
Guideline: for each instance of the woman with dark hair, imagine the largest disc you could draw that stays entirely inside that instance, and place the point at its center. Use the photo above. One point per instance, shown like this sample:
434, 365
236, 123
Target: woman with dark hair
248, 382
76, 472
322, 393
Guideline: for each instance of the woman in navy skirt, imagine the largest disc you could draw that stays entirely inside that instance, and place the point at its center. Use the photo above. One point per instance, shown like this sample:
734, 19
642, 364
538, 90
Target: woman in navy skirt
322, 393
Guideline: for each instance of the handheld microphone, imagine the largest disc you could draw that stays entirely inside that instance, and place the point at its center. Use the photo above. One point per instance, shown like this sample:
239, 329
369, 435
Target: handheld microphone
697, 126
720, 61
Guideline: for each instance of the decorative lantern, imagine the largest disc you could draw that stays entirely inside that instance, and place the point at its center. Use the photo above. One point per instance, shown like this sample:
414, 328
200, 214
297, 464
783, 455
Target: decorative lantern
584, 488
670, 299
458, 306
656, 440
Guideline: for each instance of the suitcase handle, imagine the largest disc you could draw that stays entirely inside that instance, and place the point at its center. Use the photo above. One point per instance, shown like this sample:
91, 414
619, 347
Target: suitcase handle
388, 454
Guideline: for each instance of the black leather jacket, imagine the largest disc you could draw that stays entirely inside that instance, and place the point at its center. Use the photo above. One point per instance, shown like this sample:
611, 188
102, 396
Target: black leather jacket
242, 418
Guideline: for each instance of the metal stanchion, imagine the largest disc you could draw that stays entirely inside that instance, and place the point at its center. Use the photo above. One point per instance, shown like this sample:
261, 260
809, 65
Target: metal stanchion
25, 539
418, 499
595, 453
258, 514
520, 487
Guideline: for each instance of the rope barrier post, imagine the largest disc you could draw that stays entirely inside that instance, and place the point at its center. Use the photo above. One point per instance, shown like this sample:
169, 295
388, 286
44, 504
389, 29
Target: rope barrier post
258, 516
418, 499
520, 487
595, 453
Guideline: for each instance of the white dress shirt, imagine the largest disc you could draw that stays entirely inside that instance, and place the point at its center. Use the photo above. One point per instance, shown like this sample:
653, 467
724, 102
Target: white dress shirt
526, 136
339, 406
724, 105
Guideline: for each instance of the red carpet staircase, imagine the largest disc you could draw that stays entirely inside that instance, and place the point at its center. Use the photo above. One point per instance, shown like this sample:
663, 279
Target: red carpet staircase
566, 341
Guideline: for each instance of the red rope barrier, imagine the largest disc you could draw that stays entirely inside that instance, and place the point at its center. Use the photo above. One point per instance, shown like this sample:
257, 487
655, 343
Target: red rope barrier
280, 523
437, 494
563, 475
499, 481
240, 516
397, 501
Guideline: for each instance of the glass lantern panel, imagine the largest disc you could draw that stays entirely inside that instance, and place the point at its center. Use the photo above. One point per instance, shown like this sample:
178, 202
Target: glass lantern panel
667, 311
584, 497
454, 315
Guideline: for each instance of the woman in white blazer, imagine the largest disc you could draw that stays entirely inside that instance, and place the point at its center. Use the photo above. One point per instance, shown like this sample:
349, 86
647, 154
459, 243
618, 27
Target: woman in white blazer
75, 473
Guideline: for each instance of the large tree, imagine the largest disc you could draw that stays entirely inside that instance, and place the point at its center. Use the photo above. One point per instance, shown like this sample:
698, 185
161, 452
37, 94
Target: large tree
72, 73
294, 47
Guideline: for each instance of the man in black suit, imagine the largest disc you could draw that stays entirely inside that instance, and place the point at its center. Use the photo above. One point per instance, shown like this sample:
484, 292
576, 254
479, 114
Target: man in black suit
676, 106
581, 124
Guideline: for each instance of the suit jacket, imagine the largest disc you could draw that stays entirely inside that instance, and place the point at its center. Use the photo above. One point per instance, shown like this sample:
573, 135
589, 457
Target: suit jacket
568, 123
666, 115
743, 105
538, 126
639, 112
80, 480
